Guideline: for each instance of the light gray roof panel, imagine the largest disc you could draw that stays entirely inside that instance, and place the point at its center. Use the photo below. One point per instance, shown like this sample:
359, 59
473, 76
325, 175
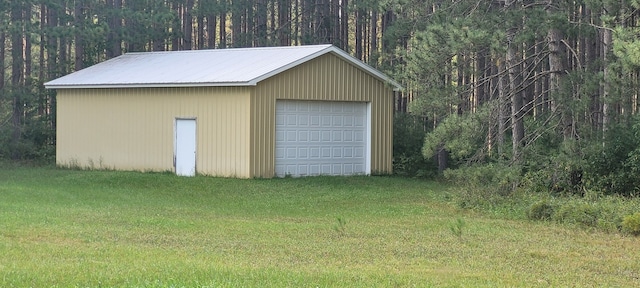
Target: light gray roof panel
218, 67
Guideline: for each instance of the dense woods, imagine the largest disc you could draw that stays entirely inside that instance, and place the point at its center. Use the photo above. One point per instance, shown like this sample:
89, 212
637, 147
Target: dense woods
545, 89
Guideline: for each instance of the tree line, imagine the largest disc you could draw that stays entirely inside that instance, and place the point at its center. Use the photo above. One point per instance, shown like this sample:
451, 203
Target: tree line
46, 39
547, 89
547, 85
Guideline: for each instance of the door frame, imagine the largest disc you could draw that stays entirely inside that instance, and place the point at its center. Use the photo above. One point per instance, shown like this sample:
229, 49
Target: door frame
175, 143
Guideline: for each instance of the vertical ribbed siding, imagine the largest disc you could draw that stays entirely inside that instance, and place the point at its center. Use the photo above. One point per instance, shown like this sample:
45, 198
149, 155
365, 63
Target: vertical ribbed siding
326, 78
133, 129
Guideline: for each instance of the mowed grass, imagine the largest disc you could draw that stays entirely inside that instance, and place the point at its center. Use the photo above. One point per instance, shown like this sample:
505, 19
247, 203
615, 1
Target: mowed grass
66, 228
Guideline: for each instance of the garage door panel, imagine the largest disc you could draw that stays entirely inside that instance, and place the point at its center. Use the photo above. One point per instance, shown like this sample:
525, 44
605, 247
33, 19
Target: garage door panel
314, 153
348, 152
337, 136
303, 153
320, 138
358, 152
326, 152
337, 121
347, 136
303, 136
314, 120
349, 121
326, 121
303, 120
279, 153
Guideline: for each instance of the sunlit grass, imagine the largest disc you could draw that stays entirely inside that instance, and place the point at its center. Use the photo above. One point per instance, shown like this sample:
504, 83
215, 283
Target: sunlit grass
91, 228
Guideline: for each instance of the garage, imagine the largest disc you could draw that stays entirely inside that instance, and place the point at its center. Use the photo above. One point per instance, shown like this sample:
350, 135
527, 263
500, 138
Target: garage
244, 112
321, 138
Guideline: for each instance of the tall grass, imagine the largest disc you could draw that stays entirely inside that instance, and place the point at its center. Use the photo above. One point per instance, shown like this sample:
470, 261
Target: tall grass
62, 228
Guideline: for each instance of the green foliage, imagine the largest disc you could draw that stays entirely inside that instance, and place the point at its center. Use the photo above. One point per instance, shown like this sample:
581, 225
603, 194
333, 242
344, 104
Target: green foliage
594, 211
612, 166
484, 187
408, 137
541, 210
341, 226
626, 47
35, 139
560, 171
631, 224
583, 214
458, 227
497, 178
461, 135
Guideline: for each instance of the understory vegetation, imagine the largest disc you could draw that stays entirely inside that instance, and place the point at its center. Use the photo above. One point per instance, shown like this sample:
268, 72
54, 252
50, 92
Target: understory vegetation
74, 228
593, 185
530, 103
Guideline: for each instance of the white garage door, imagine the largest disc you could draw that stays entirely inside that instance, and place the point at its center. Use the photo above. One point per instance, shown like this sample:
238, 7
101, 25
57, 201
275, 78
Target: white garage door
321, 138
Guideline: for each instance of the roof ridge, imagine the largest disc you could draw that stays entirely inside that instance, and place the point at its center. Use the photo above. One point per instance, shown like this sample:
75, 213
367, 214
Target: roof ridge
231, 49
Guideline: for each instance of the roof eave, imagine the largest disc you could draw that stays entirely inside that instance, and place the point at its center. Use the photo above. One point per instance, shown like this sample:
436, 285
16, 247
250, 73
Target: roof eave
148, 85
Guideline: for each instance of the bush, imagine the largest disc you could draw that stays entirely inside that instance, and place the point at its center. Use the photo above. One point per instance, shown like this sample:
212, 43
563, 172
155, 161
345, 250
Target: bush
497, 178
541, 210
408, 137
613, 167
487, 186
578, 213
631, 224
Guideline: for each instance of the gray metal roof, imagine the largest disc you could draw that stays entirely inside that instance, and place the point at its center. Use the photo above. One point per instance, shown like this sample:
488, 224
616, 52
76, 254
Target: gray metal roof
218, 67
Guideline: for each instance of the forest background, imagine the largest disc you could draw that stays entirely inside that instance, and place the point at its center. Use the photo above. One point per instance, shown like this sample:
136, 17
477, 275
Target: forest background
541, 94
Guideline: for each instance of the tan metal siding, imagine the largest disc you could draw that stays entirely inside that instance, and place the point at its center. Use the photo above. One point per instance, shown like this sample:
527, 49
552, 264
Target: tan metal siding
326, 78
133, 129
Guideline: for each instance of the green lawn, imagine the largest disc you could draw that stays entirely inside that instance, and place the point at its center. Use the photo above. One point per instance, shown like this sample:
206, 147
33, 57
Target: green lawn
66, 228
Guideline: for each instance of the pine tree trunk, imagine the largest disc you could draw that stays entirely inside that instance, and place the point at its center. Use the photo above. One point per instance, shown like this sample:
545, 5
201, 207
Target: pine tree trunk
336, 38
187, 25
306, 23
556, 71
79, 42
373, 43
114, 40
211, 31
539, 104
28, 60
503, 95
200, 32
248, 25
442, 157
359, 33
321, 22
478, 80
284, 22
222, 43
17, 76
591, 46
607, 41
261, 23
176, 39
43, 44
3, 41
344, 25
517, 125
236, 23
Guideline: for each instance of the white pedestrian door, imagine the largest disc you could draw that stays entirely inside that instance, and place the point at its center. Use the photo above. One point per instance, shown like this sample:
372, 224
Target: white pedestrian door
185, 147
